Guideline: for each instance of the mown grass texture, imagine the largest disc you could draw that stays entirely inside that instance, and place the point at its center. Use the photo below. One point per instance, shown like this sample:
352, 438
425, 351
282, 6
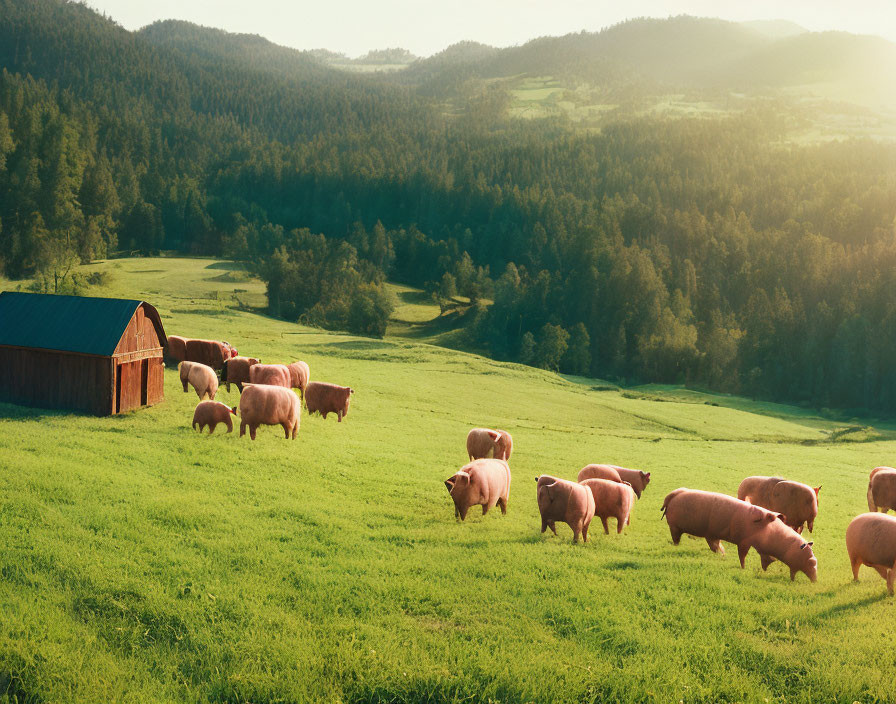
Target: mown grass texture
143, 562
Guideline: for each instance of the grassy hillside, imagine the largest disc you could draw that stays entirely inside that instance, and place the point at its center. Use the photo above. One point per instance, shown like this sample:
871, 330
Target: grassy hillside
143, 562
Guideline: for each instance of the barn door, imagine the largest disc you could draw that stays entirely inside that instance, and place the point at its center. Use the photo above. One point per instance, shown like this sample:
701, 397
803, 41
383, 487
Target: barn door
144, 380
127, 386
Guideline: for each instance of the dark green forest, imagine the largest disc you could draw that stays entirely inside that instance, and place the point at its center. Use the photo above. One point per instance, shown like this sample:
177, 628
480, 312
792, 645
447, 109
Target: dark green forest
705, 250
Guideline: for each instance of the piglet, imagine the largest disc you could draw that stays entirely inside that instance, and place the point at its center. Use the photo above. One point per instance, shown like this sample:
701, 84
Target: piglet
210, 413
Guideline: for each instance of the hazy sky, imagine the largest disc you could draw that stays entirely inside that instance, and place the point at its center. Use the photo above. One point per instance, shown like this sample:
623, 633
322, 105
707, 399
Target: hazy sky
426, 26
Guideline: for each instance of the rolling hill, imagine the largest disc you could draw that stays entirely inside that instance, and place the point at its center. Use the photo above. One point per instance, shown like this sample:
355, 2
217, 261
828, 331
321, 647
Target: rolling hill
144, 562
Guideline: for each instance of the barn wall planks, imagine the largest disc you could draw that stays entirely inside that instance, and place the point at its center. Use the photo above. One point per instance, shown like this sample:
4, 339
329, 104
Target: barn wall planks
49, 379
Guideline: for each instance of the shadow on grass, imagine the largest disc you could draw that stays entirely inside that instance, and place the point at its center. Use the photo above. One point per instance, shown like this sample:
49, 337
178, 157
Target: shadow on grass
227, 266
362, 345
415, 297
9, 411
852, 605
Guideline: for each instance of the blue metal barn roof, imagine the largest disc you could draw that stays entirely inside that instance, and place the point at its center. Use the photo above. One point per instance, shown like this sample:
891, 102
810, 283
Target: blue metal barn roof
67, 323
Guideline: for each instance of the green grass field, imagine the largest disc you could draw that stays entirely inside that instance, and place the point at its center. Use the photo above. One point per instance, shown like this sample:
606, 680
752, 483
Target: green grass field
142, 562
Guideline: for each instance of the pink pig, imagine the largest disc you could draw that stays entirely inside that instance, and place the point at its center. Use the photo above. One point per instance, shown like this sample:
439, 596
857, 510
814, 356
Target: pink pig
882, 489
569, 502
484, 482
611, 500
716, 517
485, 442
599, 471
201, 377
797, 502
871, 540
210, 413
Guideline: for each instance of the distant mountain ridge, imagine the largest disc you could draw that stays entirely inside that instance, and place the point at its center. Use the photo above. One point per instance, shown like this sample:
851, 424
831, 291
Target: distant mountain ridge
679, 53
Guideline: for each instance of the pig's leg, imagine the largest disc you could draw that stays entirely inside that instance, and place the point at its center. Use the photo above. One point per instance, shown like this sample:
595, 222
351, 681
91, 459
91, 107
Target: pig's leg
485, 508
211, 428
715, 545
881, 570
676, 535
856, 563
766, 560
553, 526
463, 513
252, 430
891, 576
286, 428
603, 520
620, 524
242, 428
585, 528
502, 503
742, 551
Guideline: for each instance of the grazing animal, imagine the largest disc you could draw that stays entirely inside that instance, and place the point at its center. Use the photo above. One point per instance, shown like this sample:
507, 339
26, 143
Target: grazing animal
202, 378
210, 413
611, 500
177, 348
211, 353
716, 517
882, 489
599, 471
324, 398
778, 541
269, 405
236, 371
565, 501
483, 483
798, 502
484, 442
871, 540
270, 374
638, 479
299, 376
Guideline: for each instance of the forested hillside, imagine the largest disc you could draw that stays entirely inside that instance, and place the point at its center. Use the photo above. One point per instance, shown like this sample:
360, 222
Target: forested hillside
707, 250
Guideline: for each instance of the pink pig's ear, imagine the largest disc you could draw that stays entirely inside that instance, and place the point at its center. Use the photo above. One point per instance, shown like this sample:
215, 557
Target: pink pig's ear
495, 435
806, 545
816, 490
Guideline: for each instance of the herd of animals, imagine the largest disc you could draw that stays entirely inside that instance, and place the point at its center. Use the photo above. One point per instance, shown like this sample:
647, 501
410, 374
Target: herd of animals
768, 515
266, 390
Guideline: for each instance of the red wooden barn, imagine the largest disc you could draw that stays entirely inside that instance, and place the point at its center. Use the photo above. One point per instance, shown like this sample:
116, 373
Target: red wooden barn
99, 355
